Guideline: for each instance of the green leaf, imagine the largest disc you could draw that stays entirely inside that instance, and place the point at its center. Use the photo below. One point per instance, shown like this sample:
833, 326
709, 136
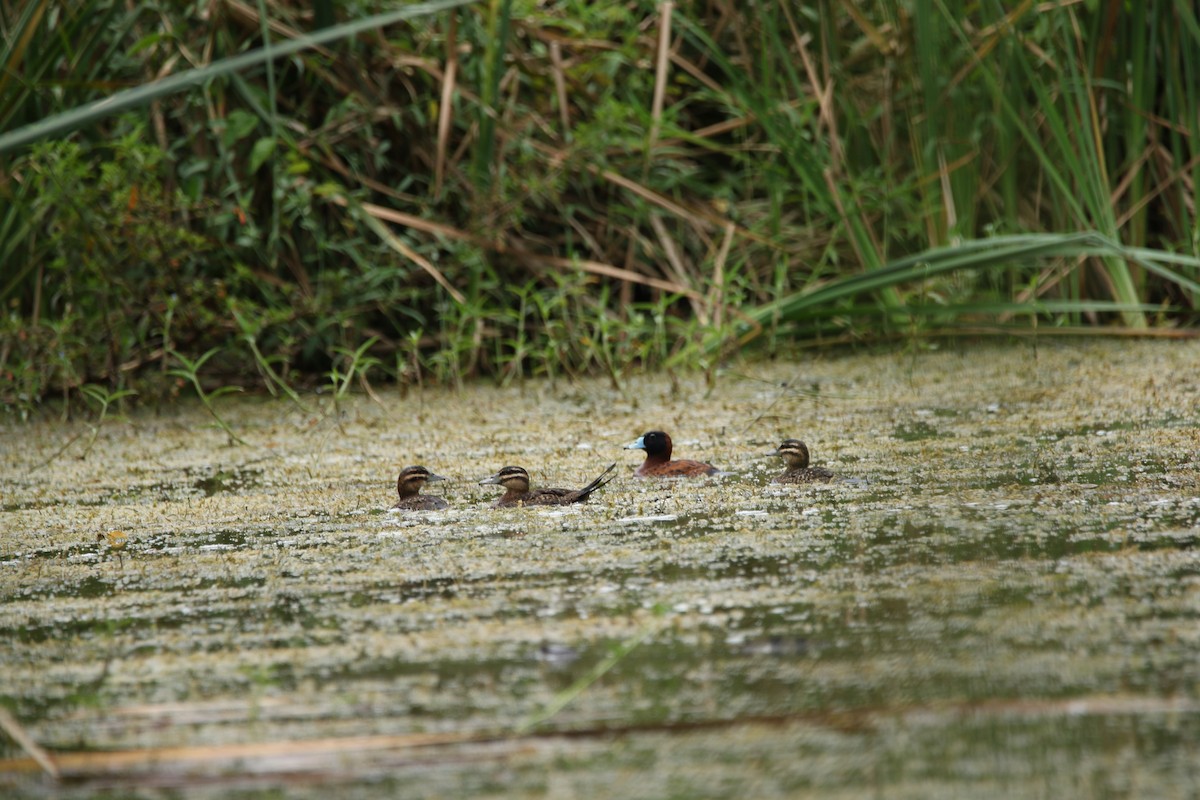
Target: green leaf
263, 149
238, 125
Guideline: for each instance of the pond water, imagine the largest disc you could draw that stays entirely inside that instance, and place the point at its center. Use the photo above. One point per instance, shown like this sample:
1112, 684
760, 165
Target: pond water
1002, 599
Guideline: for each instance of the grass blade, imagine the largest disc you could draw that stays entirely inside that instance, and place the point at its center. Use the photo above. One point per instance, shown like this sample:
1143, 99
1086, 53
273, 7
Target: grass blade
144, 94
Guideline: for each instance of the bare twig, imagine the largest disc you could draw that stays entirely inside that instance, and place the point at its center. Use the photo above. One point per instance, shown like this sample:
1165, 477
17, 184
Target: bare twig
716, 295
445, 109
594, 267
17, 731
660, 71
412, 255
560, 87
608, 270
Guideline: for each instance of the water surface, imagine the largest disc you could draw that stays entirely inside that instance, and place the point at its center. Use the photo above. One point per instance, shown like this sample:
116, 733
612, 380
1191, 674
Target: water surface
1002, 600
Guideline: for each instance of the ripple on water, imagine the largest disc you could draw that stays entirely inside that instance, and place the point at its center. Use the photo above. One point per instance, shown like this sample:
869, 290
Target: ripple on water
1008, 602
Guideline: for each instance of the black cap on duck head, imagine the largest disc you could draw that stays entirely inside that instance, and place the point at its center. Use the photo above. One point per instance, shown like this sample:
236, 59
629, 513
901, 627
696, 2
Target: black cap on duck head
653, 442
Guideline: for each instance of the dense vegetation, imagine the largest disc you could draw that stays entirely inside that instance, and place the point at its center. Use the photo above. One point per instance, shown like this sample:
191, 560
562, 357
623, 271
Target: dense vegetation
513, 188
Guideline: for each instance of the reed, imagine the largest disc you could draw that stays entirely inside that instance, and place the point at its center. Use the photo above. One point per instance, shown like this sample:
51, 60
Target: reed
513, 190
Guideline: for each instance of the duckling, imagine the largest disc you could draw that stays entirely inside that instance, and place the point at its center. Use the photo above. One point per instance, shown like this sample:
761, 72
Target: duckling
408, 486
658, 463
516, 481
795, 453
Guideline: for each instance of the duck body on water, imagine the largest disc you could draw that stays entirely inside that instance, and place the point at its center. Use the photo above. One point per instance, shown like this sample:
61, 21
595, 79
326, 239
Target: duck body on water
516, 481
795, 454
408, 486
658, 463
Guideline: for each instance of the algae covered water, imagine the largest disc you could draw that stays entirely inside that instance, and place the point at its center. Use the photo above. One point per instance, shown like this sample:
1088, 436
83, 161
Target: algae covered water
1000, 599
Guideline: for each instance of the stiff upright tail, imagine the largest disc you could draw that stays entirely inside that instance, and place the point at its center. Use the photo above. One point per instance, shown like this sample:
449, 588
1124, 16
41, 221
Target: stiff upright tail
596, 484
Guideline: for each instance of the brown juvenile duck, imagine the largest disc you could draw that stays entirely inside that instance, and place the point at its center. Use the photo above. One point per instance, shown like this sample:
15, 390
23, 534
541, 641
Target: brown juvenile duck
408, 486
516, 481
795, 453
658, 463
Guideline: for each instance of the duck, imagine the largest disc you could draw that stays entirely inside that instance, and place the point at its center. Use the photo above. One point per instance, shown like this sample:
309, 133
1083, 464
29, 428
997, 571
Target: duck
408, 486
516, 481
658, 463
795, 454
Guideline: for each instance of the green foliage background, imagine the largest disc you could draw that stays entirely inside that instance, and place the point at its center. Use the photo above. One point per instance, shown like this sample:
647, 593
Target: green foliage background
512, 187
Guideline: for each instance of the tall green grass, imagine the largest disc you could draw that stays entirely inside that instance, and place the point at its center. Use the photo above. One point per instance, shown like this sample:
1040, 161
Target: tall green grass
513, 188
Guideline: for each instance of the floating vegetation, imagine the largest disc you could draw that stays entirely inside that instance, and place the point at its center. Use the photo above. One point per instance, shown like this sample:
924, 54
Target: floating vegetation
1008, 602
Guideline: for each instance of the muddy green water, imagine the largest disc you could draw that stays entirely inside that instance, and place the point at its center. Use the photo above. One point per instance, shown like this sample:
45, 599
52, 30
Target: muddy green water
1003, 602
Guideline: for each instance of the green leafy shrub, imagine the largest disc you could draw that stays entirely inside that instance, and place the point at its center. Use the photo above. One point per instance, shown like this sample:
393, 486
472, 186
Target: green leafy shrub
514, 188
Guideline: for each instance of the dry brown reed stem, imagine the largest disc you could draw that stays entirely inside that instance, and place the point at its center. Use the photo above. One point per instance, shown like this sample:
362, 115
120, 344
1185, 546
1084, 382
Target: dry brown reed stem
406, 251
655, 198
836, 194
412, 255
947, 192
716, 295
697, 73
248, 16
992, 36
560, 87
18, 48
594, 267
445, 109
725, 126
700, 217
999, 30
185, 765
415, 222
1182, 175
158, 119
870, 31
1049, 277
608, 270
822, 90
17, 731
252, 756
660, 71
679, 269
